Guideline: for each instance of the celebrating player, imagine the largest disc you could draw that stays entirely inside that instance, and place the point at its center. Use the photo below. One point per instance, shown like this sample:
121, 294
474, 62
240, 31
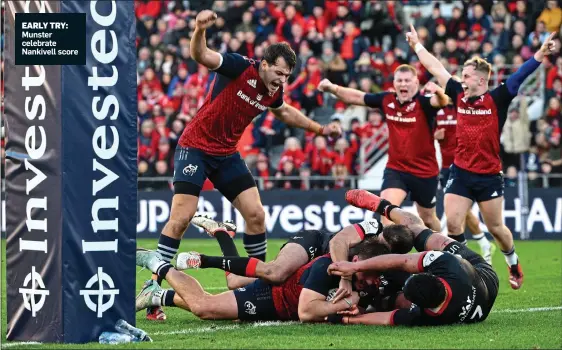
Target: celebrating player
476, 171
451, 284
242, 89
445, 133
412, 165
299, 250
305, 296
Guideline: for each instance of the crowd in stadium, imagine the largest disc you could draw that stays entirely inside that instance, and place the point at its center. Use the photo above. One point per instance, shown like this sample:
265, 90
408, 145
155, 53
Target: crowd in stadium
352, 43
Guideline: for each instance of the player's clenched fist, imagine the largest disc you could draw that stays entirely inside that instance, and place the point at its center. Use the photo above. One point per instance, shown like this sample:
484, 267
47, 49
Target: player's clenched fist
205, 19
333, 130
326, 86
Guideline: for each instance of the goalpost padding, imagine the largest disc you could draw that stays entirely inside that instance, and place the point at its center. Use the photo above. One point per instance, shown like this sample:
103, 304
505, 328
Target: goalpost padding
71, 181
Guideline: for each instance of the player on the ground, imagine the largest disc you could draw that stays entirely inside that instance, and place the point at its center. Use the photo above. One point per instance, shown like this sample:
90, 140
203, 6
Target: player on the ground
305, 296
412, 164
299, 250
451, 284
445, 134
476, 171
242, 89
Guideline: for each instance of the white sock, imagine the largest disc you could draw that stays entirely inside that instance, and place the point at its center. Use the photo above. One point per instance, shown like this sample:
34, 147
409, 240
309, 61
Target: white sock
158, 297
155, 264
482, 241
511, 257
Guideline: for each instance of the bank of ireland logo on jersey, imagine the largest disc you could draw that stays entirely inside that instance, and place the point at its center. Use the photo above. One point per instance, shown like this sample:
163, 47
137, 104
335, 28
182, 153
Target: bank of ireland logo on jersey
99, 282
33, 287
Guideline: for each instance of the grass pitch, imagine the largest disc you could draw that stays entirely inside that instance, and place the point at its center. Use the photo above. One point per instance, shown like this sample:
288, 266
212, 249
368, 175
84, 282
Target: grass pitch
528, 318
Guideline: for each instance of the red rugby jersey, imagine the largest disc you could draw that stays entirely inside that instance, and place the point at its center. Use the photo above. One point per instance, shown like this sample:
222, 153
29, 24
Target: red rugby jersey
236, 96
314, 276
411, 146
447, 119
480, 120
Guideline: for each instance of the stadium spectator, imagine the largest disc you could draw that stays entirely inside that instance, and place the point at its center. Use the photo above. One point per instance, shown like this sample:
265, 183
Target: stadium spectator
292, 153
516, 135
551, 16
288, 170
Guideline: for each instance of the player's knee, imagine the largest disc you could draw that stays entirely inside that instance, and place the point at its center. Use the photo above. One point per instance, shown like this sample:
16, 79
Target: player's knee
454, 226
177, 225
202, 310
427, 217
256, 217
496, 228
275, 274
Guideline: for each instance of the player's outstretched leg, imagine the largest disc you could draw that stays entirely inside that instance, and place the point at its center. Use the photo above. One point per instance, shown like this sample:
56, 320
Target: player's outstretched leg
493, 218
290, 258
187, 293
487, 249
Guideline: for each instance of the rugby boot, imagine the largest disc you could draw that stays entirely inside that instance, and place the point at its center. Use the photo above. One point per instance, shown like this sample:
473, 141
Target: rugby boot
363, 199
189, 260
149, 296
211, 226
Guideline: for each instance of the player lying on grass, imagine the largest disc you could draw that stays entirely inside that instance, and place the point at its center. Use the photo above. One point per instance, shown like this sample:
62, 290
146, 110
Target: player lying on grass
298, 250
304, 296
451, 283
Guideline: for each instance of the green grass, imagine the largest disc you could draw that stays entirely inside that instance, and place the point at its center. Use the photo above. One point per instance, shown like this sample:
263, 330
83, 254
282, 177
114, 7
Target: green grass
503, 329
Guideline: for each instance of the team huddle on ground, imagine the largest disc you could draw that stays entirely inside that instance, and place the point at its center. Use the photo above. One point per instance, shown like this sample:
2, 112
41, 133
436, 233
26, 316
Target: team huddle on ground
362, 274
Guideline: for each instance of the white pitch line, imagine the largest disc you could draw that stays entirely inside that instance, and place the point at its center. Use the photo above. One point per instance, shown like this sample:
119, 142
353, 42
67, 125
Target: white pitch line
227, 328
199, 330
9, 345
532, 309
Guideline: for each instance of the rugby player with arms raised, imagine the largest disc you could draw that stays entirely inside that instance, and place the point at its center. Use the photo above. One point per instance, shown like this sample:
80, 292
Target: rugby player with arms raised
242, 89
476, 171
412, 164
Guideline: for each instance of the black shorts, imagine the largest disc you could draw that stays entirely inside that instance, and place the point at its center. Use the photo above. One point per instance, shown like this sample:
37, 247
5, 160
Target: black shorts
478, 187
315, 242
229, 174
255, 302
444, 177
422, 191
483, 269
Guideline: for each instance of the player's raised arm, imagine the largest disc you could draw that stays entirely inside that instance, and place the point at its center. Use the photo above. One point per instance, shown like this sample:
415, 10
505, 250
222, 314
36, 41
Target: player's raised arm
293, 117
516, 79
346, 95
429, 61
198, 46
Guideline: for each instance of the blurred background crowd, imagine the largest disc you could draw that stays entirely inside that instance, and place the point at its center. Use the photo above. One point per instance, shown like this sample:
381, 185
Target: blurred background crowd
352, 43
